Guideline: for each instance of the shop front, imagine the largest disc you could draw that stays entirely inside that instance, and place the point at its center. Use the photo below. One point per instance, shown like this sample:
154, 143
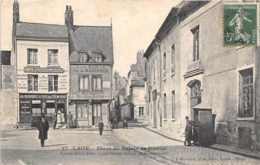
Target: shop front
33, 106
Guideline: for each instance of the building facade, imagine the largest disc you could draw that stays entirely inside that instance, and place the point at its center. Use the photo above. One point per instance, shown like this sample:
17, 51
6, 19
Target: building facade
91, 69
42, 69
211, 83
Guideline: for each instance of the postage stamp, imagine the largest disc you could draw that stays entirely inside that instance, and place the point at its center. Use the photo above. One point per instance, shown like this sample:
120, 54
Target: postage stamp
240, 24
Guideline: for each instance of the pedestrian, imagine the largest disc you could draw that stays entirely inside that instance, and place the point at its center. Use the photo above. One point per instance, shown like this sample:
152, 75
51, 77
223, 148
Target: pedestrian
62, 116
125, 123
100, 126
70, 122
43, 127
188, 131
59, 118
54, 116
114, 123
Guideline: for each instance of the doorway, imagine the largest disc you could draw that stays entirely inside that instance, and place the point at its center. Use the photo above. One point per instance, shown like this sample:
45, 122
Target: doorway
195, 95
96, 113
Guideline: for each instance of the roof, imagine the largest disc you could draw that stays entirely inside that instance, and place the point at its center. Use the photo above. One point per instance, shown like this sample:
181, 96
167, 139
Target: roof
41, 31
202, 106
91, 39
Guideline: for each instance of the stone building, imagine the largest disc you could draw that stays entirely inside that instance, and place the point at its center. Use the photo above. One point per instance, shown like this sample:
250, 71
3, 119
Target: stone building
42, 69
214, 85
91, 69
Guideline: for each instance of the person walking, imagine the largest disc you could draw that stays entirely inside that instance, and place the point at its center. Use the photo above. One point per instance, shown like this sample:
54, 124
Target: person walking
54, 116
188, 131
70, 122
59, 118
100, 126
43, 127
125, 123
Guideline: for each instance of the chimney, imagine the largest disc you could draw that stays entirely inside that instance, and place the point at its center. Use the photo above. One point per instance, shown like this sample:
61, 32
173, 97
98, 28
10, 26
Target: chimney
69, 18
15, 12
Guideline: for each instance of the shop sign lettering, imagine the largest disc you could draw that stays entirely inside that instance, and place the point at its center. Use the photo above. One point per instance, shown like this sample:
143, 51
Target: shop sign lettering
42, 70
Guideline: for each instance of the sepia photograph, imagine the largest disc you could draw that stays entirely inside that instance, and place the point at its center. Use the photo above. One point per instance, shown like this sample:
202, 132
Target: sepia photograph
140, 82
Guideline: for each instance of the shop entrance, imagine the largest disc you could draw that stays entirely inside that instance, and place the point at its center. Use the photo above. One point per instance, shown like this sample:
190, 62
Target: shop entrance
96, 113
195, 95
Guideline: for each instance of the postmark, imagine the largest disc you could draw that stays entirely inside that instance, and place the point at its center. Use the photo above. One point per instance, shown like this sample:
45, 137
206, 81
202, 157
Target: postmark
240, 24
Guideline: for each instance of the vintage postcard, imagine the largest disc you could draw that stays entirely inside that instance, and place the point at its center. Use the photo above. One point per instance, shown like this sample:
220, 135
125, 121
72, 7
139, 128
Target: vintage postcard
129, 82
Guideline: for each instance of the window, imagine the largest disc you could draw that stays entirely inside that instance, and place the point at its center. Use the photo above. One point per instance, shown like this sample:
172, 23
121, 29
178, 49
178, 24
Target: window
53, 57
53, 82
82, 111
98, 57
50, 107
84, 82
173, 104
164, 61
96, 83
173, 58
141, 111
36, 108
195, 32
32, 56
32, 82
246, 93
97, 110
165, 106
83, 57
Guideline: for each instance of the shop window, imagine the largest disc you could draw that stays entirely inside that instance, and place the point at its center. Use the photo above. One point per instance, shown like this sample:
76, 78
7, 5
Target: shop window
173, 58
32, 82
96, 83
84, 82
83, 57
165, 105
36, 107
53, 82
82, 111
32, 56
173, 104
141, 111
246, 93
50, 107
195, 32
52, 57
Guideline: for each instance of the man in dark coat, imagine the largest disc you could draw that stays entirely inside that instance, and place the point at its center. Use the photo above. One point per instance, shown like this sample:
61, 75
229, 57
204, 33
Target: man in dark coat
188, 131
125, 123
100, 126
43, 128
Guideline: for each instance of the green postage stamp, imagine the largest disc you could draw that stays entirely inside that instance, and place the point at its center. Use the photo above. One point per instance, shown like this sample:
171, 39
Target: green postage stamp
240, 24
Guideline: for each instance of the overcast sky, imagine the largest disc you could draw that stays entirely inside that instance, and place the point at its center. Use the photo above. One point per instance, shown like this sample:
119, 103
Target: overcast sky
135, 22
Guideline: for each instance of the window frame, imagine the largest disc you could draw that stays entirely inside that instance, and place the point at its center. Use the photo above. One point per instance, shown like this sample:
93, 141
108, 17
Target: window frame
84, 89
196, 32
53, 55
57, 86
33, 86
81, 56
34, 56
92, 82
238, 92
173, 54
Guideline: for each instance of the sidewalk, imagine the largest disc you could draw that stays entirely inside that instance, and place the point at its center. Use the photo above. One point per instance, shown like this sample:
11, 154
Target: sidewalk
225, 148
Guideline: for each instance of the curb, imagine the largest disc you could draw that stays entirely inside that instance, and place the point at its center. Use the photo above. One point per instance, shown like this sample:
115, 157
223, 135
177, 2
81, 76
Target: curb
215, 148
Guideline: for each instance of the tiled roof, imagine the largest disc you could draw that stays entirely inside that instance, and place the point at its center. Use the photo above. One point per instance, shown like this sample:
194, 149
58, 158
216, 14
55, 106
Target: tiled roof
91, 38
40, 30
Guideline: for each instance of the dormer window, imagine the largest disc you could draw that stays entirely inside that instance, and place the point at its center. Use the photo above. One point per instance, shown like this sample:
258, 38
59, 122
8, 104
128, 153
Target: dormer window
98, 55
83, 57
